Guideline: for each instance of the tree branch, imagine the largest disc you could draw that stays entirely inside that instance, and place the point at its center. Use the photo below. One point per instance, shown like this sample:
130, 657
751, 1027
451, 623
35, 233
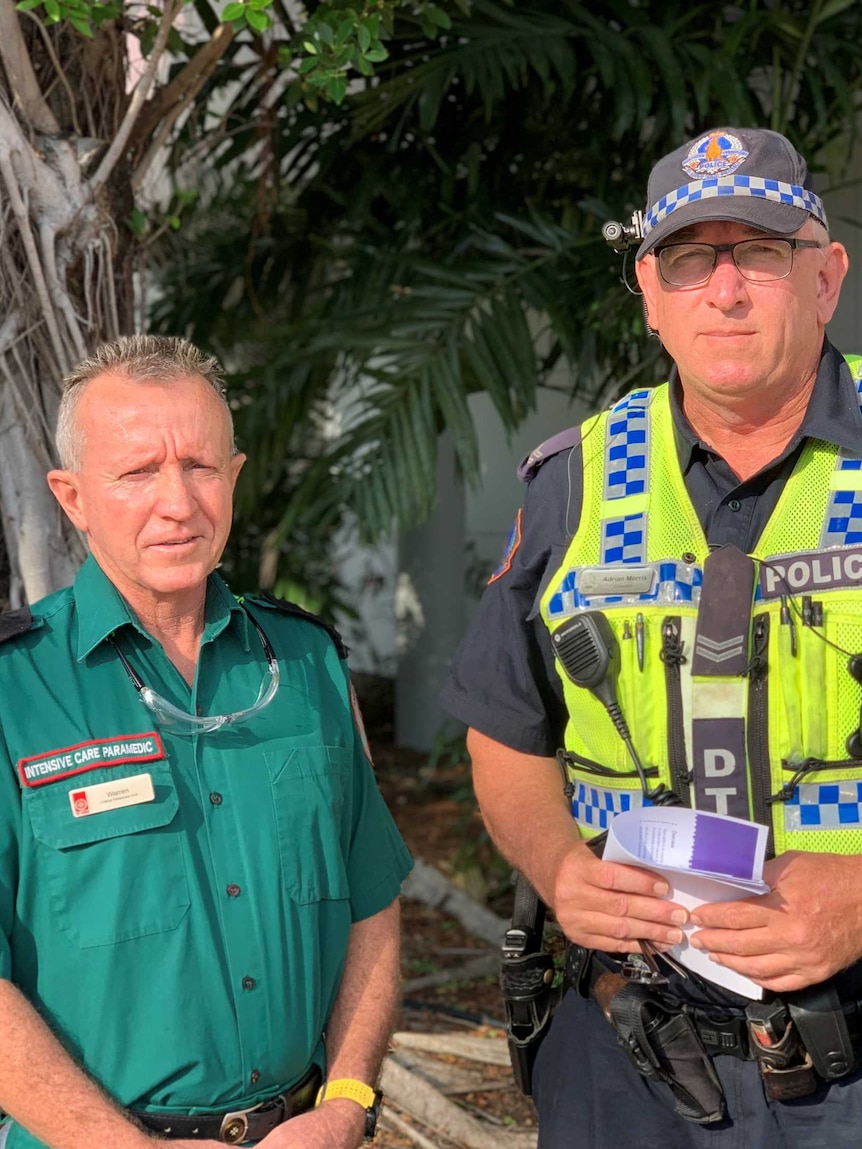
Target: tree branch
58, 68
24, 88
136, 104
19, 209
175, 96
59, 295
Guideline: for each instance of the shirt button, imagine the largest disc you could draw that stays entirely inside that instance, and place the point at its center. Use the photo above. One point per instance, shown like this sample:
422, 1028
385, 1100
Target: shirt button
216, 798
248, 983
233, 891
255, 1076
734, 504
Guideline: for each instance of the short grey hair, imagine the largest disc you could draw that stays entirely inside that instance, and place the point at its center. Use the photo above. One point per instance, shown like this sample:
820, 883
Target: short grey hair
138, 358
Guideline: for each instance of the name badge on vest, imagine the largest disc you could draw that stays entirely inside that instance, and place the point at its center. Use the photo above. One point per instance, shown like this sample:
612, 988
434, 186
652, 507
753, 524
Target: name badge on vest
719, 685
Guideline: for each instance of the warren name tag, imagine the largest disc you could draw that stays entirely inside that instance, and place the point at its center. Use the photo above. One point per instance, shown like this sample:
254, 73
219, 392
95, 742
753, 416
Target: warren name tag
112, 795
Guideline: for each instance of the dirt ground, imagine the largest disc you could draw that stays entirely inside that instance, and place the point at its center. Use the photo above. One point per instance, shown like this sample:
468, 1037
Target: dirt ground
436, 813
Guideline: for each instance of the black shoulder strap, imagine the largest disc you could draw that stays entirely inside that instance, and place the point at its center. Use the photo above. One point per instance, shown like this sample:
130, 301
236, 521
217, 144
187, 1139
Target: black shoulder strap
286, 607
15, 622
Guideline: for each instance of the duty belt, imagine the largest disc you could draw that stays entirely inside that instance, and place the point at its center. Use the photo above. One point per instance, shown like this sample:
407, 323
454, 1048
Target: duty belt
722, 1031
237, 1125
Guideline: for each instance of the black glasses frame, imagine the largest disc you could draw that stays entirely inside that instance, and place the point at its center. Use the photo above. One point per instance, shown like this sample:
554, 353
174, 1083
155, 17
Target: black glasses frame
716, 248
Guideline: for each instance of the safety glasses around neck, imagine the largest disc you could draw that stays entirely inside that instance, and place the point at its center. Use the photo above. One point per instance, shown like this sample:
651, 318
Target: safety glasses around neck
178, 721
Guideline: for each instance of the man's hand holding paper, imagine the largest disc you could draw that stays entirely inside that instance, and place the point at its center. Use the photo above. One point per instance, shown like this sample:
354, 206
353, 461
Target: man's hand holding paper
808, 927
606, 906
705, 858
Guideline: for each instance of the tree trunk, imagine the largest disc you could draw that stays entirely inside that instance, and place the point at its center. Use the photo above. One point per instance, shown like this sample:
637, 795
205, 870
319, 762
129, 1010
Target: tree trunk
65, 272
43, 550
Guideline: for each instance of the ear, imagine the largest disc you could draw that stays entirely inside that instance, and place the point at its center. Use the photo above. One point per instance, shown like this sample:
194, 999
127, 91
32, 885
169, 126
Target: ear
647, 277
66, 490
236, 465
830, 278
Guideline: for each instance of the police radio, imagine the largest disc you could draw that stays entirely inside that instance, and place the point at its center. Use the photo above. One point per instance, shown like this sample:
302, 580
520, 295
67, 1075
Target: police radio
620, 236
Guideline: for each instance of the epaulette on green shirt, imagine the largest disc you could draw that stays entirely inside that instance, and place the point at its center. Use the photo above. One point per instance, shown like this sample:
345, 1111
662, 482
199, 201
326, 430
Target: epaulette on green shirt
15, 622
292, 608
188, 946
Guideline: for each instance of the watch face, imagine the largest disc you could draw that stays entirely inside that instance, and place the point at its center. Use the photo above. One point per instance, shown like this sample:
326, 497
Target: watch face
372, 1113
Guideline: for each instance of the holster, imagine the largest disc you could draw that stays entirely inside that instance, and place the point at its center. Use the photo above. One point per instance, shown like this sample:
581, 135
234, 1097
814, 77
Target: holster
663, 1045
822, 1025
784, 1064
526, 979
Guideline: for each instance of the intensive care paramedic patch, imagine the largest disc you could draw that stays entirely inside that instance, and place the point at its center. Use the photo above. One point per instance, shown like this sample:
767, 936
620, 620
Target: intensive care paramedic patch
69, 760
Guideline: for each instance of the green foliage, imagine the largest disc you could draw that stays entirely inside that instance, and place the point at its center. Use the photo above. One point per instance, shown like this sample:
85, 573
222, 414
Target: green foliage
364, 265
338, 39
149, 226
83, 15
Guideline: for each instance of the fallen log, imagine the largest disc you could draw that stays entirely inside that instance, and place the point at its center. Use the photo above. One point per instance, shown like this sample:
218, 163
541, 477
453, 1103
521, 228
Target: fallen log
427, 885
490, 1050
446, 1076
486, 965
389, 1119
426, 1104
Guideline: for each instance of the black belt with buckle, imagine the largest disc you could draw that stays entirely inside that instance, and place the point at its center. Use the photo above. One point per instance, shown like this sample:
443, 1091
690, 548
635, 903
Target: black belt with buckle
237, 1125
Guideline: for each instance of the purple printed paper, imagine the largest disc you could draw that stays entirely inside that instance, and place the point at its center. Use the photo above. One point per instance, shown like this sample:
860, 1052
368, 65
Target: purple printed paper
724, 847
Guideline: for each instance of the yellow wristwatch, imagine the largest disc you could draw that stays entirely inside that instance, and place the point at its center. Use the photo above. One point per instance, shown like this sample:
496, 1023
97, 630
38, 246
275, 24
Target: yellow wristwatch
370, 1099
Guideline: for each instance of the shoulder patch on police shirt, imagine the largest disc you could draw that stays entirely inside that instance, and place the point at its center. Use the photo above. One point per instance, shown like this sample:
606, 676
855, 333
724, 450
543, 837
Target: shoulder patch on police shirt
563, 441
282, 604
15, 622
359, 723
509, 551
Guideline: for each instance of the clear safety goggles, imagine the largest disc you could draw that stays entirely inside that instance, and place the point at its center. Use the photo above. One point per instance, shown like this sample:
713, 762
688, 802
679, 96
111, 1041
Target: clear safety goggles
179, 721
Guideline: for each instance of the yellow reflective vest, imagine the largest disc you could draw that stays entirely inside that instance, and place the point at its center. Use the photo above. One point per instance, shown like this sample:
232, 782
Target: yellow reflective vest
638, 557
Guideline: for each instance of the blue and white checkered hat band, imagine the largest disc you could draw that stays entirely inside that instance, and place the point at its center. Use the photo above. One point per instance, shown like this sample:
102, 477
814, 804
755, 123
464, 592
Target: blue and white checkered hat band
792, 195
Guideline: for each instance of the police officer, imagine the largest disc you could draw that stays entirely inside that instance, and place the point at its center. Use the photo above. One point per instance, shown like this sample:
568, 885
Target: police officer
198, 876
714, 523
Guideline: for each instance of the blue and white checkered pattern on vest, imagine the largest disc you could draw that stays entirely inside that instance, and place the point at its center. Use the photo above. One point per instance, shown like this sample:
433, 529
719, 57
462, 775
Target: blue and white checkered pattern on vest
713, 186
596, 806
842, 526
673, 582
627, 449
819, 805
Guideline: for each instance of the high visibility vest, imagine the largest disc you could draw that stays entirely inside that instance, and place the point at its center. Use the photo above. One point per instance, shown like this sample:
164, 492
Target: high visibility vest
638, 557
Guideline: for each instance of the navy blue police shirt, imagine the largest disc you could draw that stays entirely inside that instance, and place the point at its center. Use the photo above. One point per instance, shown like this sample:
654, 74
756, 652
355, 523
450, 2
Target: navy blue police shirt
502, 680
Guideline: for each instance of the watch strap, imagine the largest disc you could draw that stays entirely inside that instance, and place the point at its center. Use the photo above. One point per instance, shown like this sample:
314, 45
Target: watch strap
370, 1099
349, 1087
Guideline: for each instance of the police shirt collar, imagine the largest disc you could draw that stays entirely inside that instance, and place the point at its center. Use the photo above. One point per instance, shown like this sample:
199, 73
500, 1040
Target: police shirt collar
101, 610
832, 414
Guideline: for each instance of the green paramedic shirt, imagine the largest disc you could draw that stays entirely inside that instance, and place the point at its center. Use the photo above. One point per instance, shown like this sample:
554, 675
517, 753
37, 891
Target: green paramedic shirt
187, 950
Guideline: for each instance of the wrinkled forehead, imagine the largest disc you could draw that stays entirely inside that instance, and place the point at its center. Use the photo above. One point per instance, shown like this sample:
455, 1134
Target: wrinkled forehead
114, 409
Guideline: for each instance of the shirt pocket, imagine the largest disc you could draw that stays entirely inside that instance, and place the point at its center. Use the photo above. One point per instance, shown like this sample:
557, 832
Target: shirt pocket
115, 875
308, 789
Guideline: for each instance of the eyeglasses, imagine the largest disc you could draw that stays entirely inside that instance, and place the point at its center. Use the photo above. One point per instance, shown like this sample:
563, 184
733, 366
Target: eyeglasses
757, 260
179, 721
